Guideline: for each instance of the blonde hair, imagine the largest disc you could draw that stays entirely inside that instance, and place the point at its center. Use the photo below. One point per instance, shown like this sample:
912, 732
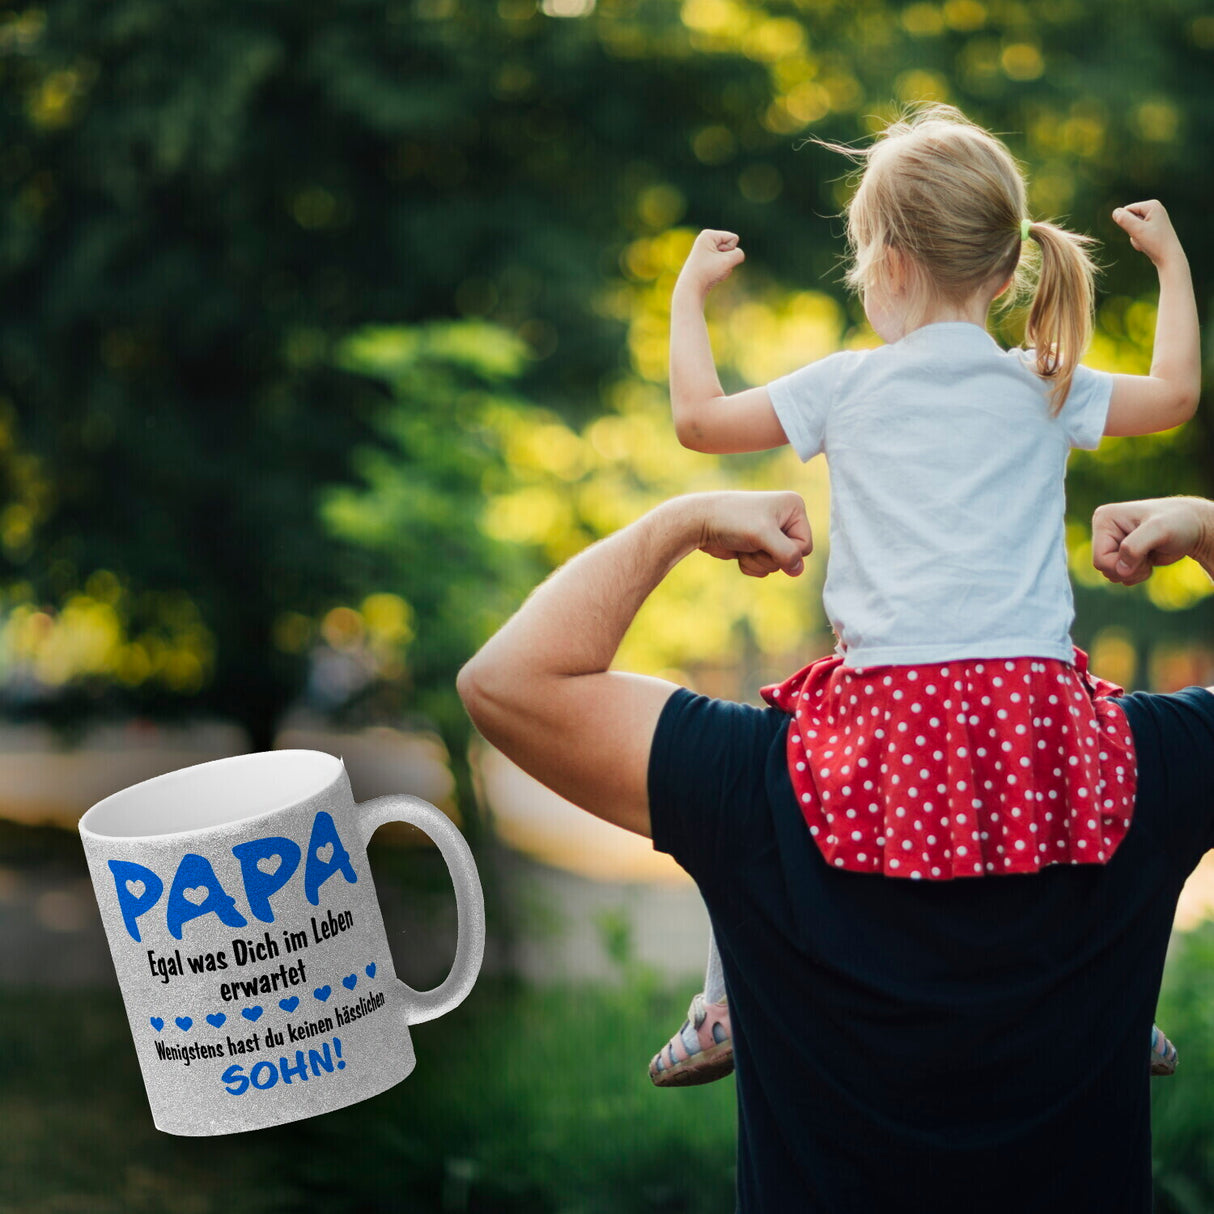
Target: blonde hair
948, 196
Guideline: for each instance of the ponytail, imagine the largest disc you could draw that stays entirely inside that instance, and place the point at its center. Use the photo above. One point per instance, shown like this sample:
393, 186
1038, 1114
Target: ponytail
1060, 320
950, 197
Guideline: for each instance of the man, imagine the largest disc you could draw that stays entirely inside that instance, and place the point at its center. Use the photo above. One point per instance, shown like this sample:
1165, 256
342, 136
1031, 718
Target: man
970, 1045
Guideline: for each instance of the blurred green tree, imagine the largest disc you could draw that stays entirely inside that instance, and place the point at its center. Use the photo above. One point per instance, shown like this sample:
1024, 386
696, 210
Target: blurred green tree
202, 200
413, 519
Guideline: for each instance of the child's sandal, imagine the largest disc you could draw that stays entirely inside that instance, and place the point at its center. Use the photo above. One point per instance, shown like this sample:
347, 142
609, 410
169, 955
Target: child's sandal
700, 1052
1163, 1053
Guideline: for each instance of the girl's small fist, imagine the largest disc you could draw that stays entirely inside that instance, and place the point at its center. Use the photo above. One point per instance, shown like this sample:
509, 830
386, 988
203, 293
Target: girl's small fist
712, 259
1149, 229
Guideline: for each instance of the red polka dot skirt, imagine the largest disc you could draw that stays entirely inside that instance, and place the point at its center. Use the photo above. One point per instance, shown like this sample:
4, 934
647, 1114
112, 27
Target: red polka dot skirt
959, 769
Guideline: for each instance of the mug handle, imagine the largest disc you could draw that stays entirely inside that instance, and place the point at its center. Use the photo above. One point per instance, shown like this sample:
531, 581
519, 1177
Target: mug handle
469, 898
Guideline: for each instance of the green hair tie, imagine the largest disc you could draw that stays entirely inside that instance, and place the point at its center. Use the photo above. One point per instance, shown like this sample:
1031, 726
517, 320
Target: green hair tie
1025, 224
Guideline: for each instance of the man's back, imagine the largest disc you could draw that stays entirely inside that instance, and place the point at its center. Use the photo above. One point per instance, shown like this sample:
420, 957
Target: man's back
974, 1044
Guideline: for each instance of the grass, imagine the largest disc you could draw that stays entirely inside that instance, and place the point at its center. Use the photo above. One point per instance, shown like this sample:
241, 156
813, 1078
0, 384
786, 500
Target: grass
1182, 1109
521, 1100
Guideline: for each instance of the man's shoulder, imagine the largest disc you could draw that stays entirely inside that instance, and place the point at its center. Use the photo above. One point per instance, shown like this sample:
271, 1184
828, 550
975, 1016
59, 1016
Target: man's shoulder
697, 731
715, 767
1174, 750
1153, 715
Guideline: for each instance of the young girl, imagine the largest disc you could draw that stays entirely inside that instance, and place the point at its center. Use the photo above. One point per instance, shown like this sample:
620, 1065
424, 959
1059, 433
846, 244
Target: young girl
956, 732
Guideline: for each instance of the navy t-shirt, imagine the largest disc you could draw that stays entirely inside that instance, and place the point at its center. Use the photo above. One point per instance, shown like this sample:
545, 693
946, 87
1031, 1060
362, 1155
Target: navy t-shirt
969, 1045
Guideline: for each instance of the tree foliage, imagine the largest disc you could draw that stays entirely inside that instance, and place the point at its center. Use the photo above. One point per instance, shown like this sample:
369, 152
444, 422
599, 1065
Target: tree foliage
204, 201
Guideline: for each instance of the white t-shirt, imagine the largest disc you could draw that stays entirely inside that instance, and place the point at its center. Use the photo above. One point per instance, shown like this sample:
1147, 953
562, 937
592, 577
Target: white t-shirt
946, 474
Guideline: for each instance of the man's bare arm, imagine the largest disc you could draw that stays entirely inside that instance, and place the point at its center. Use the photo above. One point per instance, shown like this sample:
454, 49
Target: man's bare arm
541, 689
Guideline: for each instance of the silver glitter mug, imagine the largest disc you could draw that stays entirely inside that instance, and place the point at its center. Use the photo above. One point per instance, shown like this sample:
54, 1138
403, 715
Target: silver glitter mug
249, 943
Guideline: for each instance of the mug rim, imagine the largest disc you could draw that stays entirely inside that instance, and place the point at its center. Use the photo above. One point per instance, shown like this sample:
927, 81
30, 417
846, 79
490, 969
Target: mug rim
89, 829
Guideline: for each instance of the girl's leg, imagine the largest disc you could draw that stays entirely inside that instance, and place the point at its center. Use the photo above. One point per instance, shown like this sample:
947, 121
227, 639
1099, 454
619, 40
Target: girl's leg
714, 975
702, 1050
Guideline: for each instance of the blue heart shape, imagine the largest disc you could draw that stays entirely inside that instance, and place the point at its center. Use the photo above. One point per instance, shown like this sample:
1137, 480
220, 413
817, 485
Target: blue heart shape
251, 1013
289, 1005
371, 970
215, 1019
323, 992
157, 1023
349, 980
184, 1023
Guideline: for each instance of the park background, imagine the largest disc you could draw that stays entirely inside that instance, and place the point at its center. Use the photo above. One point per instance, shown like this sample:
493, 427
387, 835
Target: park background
327, 328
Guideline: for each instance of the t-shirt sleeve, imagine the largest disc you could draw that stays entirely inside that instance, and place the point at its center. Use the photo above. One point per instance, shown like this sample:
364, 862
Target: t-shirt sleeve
1174, 746
708, 789
802, 401
1087, 407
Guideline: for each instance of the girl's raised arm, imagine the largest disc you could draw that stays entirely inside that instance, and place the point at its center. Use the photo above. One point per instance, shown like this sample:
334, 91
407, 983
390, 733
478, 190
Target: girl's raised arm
705, 419
1167, 397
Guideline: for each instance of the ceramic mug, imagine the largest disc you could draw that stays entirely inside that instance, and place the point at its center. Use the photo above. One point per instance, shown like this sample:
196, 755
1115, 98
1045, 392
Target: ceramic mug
249, 943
